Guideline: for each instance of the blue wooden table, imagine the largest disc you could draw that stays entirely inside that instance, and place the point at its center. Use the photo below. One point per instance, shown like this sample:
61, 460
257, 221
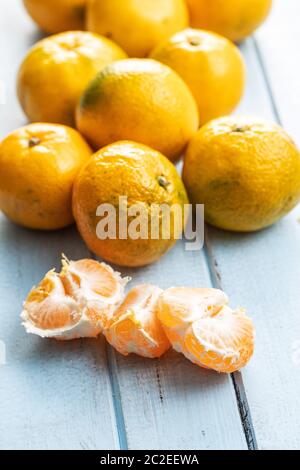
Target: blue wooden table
82, 394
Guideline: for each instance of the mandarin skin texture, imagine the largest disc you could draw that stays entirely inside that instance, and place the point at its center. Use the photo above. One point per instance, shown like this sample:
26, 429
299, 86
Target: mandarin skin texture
145, 177
38, 166
245, 171
137, 25
56, 16
210, 65
140, 100
56, 71
234, 19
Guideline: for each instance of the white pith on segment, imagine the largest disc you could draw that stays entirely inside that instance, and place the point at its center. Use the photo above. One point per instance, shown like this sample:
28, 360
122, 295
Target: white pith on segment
200, 324
139, 311
79, 299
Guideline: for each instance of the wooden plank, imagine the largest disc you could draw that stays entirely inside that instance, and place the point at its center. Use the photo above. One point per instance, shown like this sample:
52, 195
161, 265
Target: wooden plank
170, 403
261, 271
278, 43
52, 395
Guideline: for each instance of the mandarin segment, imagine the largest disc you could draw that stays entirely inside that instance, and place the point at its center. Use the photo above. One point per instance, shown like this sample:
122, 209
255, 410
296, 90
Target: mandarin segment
77, 302
97, 285
99, 278
47, 306
180, 307
224, 342
200, 325
135, 327
87, 298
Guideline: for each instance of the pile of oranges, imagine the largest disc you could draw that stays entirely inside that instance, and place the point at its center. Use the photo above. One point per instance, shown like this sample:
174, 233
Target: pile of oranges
116, 95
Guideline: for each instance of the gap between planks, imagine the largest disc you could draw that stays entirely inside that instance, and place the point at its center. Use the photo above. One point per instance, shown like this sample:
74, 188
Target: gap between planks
116, 396
112, 369
267, 81
236, 377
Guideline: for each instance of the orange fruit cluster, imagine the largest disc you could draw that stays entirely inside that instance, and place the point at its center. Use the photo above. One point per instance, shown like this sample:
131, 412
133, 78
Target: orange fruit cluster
138, 25
133, 112
87, 298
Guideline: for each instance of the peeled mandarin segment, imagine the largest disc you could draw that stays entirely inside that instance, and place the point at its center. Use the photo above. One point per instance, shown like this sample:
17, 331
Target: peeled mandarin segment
97, 285
223, 342
47, 306
180, 306
176, 338
199, 324
135, 327
77, 302
98, 278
